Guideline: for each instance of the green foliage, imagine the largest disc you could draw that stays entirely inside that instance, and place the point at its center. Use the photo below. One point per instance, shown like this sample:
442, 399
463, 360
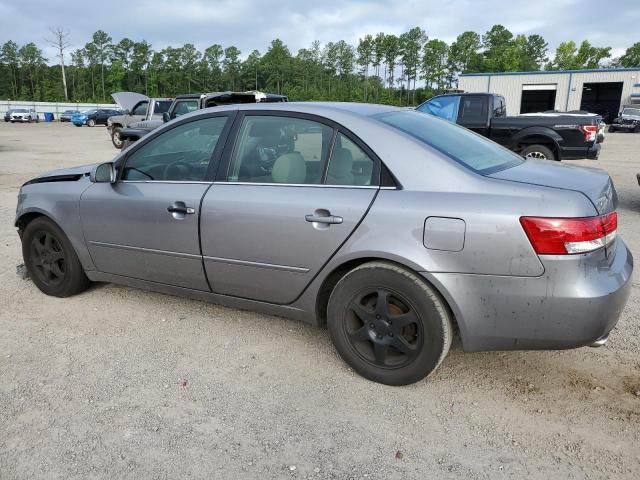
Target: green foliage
570, 57
381, 68
631, 57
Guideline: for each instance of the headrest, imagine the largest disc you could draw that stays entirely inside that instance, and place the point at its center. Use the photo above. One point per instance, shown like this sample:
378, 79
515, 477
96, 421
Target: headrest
289, 168
341, 163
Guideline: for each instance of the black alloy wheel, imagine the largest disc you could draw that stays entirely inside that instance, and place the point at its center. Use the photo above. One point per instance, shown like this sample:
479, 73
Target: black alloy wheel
48, 258
383, 328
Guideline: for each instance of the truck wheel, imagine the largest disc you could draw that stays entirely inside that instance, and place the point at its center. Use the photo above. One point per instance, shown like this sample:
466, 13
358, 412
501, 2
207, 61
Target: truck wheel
540, 152
115, 137
637, 129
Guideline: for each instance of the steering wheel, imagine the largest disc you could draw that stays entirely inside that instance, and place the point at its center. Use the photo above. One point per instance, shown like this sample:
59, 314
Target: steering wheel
174, 169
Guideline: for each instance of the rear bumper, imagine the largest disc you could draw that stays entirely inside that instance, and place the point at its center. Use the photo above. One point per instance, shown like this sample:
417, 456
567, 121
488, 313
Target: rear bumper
571, 305
576, 153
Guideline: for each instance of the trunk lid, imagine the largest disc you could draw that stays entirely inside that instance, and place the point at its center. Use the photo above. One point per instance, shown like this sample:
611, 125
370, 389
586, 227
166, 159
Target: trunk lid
594, 183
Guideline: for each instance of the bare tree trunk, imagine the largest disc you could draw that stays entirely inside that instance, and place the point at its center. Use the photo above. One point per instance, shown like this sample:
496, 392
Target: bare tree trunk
60, 40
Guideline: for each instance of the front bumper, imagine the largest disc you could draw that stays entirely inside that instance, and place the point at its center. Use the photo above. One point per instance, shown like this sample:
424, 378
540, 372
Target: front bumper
574, 303
625, 126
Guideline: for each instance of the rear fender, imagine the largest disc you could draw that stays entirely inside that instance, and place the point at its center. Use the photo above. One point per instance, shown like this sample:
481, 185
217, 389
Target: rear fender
536, 135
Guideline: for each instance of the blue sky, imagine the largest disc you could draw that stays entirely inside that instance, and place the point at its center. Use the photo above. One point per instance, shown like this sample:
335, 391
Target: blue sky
250, 24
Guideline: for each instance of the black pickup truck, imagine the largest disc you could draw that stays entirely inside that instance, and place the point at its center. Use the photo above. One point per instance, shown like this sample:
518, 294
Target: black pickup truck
553, 136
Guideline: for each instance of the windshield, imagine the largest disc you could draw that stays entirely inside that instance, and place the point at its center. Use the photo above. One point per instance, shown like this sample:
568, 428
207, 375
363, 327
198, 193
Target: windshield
161, 106
631, 111
89, 112
444, 107
465, 147
20, 110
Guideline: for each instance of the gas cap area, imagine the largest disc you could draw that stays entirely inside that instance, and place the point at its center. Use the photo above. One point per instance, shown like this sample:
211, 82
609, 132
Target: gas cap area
444, 233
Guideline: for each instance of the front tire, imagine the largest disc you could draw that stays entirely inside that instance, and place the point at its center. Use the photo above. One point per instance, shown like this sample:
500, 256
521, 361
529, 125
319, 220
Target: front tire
115, 138
539, 152
51, 261
91, 122
388, 324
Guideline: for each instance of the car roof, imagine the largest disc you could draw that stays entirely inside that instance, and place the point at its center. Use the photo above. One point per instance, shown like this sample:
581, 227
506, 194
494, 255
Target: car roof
317, 108
188, 95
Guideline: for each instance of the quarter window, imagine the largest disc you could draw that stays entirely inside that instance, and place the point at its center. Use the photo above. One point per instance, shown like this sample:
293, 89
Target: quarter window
180, 154
349, 164
278, 149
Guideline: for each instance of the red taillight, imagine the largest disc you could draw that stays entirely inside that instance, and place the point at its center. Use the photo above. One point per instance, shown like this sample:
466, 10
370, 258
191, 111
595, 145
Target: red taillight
589, 132
563, 236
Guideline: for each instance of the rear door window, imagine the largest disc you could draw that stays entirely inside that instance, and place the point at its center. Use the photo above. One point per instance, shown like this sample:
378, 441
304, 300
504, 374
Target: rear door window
279, 149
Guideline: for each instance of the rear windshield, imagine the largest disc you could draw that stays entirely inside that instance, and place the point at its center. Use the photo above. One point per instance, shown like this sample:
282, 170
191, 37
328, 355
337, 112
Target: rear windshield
465, 147
162, 106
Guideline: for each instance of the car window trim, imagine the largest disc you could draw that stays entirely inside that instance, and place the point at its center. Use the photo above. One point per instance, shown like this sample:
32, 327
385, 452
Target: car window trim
225, 161
213, 161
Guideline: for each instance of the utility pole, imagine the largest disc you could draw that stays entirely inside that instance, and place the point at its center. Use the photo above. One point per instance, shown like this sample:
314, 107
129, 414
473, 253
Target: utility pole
60, 41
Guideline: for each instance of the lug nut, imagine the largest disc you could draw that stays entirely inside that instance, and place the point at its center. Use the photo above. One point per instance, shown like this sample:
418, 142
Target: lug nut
377, 317
371, 325
391, 334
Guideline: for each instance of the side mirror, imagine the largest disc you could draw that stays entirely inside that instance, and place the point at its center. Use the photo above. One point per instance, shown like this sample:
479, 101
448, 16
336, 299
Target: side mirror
103, 173
126, 112
166, 117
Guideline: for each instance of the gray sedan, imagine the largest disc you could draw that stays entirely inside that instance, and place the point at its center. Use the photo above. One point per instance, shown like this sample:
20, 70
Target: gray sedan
392, 227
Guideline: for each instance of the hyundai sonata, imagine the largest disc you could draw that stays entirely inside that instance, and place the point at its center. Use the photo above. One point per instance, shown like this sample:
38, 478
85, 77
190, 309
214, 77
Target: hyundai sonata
392, 227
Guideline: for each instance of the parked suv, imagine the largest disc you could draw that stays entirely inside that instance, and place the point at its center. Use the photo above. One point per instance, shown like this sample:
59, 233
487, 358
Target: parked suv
190, 102
136, 107
93, 117
628, 120
552, 136
24, 115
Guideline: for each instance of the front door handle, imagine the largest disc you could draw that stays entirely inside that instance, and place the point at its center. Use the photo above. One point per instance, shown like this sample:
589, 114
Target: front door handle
323, 216
179, 210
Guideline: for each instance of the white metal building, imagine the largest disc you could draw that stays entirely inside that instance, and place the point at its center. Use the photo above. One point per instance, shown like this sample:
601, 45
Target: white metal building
600, 91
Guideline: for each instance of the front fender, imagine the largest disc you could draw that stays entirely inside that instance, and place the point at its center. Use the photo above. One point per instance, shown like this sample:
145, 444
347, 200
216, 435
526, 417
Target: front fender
59, 201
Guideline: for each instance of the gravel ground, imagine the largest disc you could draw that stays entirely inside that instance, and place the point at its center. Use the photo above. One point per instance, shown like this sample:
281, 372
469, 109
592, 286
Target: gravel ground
120, 383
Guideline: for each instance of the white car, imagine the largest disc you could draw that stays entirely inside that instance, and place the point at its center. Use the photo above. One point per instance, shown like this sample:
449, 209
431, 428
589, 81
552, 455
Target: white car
24, 115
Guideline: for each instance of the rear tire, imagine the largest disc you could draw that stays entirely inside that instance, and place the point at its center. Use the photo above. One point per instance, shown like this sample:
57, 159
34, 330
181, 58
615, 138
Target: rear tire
388, 324
51, 261
540, 152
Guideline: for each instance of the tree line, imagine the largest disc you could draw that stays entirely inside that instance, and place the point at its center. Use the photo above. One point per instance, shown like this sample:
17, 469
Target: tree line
384, 68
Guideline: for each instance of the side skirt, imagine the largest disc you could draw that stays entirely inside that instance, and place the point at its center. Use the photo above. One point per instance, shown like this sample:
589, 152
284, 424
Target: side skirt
224, 300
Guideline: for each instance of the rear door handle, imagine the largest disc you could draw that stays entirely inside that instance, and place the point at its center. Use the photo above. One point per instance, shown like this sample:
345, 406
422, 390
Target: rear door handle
328, 219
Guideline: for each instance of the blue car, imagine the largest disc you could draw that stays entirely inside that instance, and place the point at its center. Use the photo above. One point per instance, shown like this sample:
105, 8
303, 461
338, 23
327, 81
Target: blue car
93, 117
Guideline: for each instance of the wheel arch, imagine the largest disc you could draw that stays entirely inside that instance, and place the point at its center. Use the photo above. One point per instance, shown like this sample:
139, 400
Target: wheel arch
537, 135
339, 271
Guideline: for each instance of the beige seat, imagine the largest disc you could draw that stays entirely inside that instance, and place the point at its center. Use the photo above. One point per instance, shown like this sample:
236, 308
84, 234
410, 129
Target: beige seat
289, 168
340, 168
